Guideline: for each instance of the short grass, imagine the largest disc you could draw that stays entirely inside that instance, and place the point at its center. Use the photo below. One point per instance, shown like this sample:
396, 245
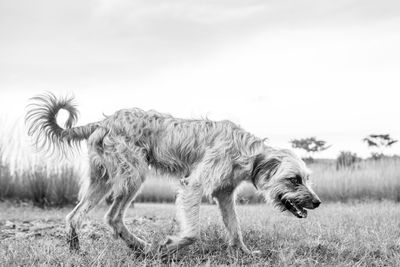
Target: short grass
363, 234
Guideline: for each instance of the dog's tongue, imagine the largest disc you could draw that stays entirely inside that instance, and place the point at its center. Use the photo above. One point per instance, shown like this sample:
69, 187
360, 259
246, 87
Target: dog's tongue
297, 211
301, 213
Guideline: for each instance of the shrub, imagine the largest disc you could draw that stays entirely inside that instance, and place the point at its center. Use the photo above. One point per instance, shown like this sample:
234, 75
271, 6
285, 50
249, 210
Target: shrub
377, 156
41, 187
346, 159
5, 185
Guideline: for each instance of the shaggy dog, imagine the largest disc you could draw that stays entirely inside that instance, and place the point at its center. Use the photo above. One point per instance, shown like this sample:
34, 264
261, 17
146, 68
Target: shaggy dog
212, 157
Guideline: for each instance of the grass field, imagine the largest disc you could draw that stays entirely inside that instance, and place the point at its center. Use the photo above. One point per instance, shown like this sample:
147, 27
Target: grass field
357, 225
364, 234
367, 180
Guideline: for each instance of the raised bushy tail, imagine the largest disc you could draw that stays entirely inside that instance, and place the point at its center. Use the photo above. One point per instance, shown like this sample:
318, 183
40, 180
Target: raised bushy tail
41, 121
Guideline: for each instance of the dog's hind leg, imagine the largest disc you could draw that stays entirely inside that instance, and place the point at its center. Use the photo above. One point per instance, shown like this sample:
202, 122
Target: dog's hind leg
115, 216
226, 203
129, 171
95, 192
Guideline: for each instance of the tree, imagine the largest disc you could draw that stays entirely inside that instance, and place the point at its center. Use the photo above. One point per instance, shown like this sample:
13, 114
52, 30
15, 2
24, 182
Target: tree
311, 145
380, 142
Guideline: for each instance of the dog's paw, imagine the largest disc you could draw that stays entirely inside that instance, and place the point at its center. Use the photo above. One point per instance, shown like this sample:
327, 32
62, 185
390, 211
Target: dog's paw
142, 248
73, 243
255, 252
167, 249
166, 246
72, 240
234, 249
148, 249
250, 252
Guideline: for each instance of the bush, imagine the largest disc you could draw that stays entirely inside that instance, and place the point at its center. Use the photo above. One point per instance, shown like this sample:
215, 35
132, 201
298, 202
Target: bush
346, 159
41, 187
377, 156
5, 185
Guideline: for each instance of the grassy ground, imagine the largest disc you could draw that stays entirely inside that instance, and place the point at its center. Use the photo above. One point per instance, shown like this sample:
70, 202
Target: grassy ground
335, 234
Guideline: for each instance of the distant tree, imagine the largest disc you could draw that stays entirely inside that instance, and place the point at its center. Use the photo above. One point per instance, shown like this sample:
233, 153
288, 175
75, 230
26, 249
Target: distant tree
379, 142
311, 145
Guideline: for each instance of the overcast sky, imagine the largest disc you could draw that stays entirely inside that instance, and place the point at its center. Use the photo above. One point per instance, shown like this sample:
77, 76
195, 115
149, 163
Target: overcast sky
281, 69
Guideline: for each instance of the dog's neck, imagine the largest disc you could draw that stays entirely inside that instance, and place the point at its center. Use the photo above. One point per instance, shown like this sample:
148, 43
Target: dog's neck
263, 166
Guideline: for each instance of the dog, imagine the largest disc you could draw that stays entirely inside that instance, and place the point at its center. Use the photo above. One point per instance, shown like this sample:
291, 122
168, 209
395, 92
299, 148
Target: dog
211, 158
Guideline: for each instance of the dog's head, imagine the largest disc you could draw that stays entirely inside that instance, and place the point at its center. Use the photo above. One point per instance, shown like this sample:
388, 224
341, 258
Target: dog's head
284, 178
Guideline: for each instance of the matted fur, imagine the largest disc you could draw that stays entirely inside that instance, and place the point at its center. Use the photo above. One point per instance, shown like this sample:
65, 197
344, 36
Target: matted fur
213, 158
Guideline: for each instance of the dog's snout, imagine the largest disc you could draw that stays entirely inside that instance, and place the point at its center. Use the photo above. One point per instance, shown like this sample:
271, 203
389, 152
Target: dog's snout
316, 202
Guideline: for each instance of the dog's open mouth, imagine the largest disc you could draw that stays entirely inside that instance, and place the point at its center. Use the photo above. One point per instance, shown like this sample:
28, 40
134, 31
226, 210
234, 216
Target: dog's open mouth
296, 210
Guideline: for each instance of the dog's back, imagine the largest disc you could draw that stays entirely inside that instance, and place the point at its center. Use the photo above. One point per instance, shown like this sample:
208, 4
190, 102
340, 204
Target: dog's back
172, 145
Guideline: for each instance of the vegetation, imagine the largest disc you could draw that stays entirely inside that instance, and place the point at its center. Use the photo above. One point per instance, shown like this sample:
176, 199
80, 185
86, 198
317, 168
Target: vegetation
347, 159
363, 234
42, 187
347, 179
371, 180
311, 145
379, 142
357, 233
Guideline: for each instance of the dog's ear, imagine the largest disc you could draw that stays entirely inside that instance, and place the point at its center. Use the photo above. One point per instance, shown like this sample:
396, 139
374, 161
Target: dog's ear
263, 166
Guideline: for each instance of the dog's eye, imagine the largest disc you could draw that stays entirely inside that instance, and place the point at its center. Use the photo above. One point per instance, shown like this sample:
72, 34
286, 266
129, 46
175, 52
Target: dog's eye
295, 180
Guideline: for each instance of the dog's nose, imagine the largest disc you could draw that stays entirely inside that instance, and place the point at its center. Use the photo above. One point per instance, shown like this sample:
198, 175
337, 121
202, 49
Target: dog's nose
316, 202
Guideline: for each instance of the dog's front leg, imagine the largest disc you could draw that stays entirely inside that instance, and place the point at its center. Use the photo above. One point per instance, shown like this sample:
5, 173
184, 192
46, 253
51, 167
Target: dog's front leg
226, 203
188, 209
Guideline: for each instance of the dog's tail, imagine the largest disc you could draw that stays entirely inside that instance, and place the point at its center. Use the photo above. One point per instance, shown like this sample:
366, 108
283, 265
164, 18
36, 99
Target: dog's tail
41, 122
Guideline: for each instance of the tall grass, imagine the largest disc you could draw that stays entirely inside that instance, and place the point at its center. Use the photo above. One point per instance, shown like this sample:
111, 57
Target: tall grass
368, 180
42, 187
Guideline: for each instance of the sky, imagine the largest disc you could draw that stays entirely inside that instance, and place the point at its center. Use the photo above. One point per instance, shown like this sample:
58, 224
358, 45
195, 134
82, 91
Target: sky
281, 69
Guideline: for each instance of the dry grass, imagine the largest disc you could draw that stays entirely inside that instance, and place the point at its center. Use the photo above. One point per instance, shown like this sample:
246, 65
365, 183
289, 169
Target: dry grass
367, 180
365, 234
42, 187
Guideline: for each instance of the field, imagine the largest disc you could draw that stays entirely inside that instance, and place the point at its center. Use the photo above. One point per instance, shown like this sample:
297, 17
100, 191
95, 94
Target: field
358, 223
363, 234
367, 180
